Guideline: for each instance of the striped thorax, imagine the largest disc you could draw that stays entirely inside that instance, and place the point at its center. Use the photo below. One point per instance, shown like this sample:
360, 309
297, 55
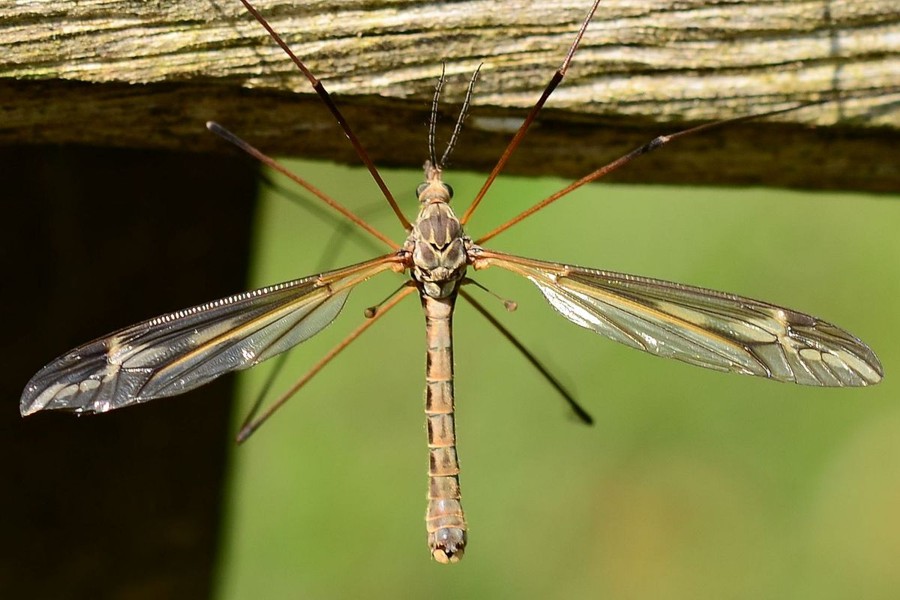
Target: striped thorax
437, 243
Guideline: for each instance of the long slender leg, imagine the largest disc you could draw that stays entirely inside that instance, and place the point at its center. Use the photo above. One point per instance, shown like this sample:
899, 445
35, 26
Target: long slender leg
319, 88
532, 115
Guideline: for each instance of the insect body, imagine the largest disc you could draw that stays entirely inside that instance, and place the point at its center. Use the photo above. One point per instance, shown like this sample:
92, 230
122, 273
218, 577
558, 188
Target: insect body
180, 351
439, 252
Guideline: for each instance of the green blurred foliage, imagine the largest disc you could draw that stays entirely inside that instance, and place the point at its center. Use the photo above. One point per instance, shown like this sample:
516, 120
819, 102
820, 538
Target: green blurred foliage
692, 484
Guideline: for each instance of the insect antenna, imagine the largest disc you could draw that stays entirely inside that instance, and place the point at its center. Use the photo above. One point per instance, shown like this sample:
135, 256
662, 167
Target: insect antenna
252, 423
319, 88
654, 144
463, 113
579, 411
532, 115
432, 121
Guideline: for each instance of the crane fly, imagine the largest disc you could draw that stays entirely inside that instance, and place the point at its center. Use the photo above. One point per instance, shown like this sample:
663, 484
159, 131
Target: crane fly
180, 351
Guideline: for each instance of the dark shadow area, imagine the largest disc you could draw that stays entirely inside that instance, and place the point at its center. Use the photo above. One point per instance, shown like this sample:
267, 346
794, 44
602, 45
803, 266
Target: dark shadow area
126, 504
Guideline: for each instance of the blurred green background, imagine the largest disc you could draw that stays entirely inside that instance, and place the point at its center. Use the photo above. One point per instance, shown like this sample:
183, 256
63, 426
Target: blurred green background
691, 484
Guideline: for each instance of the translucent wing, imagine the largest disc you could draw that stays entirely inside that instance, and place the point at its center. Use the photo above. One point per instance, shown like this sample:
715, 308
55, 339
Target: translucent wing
699, 326
183, 350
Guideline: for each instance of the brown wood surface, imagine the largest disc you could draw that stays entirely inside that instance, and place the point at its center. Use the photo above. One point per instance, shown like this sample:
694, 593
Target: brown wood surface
139, 74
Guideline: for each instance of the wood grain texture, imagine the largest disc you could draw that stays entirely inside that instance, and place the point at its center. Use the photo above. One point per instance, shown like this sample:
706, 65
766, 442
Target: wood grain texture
149, 74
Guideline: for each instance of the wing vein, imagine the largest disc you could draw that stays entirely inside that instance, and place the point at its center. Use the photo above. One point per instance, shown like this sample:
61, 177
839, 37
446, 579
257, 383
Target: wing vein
711, 329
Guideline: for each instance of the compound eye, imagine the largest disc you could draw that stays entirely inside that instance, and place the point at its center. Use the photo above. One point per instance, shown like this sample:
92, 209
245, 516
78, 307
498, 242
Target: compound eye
420, 188
449, 189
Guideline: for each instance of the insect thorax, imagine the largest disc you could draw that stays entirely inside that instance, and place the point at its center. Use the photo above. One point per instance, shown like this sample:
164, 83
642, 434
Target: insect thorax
437, 241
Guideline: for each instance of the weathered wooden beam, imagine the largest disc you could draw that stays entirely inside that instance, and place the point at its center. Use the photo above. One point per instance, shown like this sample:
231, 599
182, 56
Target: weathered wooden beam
149, 74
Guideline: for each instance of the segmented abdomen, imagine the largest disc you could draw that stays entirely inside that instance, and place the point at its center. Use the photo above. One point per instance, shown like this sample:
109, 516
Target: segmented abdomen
444, 520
